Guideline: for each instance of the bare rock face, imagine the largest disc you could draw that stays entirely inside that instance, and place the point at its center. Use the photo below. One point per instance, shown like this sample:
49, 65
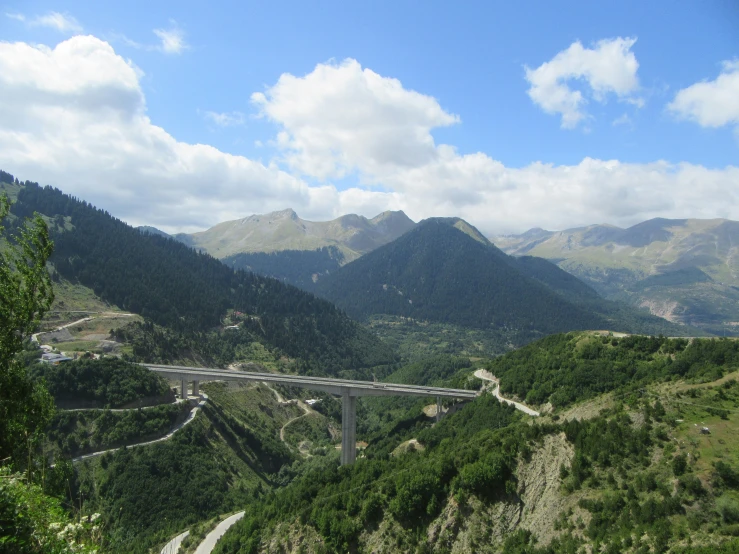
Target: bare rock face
539, 486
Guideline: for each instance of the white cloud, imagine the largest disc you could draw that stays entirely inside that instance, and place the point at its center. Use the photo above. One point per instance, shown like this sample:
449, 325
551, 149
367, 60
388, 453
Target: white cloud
341, 117
172, 39
63, 23
225, 119
74, 116
609, 67
711, 103
623, 119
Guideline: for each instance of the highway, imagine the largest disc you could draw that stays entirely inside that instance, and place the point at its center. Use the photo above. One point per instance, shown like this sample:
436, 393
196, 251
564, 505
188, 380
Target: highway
325, 384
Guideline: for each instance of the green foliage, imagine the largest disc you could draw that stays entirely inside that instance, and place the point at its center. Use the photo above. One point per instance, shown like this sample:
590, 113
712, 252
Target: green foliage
32, 522
25, 295
679, 464
725, 476
109, 382
728, 507
80, 432
417, 340
340, 502
25, 287
562, 369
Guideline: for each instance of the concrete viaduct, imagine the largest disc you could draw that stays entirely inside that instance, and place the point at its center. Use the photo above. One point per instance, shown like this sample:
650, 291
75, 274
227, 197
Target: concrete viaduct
348, 389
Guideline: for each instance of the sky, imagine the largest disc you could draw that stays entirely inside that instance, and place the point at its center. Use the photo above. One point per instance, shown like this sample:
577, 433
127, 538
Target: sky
511, 115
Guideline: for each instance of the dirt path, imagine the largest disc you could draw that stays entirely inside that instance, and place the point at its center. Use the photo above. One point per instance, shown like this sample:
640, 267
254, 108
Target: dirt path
306, 411
302, 405
487, 376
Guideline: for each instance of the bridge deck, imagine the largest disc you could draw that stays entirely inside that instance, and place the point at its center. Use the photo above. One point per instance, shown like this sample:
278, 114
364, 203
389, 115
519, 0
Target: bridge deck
326, 384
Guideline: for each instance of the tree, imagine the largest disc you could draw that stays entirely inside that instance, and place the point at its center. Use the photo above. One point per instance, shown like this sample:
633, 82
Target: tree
25, 296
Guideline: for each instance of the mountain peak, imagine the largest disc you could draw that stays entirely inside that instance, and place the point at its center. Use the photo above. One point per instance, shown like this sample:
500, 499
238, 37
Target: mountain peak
460, 224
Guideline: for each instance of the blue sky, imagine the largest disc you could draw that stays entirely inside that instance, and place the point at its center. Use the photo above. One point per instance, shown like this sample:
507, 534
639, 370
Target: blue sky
436, 112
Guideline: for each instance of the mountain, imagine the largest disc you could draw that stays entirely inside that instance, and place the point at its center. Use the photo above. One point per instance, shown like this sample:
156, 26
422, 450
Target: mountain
152, 231
686, 270
191, 293
437, 272
353, 235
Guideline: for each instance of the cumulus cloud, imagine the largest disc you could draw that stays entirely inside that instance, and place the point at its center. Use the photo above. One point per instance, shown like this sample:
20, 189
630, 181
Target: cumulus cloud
608, 68
75, 116
225, 119
172, 39
711, 103
341, 116
63, 23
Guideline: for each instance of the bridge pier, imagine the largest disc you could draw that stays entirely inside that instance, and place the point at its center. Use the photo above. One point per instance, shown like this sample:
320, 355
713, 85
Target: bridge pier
438, 409
183, 388
195, 388
348, 427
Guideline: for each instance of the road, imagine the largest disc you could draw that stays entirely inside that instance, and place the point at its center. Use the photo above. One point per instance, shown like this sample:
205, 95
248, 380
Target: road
209, 542
173, 546
100, 315
169, 435
331, 385
487, 376
177, 401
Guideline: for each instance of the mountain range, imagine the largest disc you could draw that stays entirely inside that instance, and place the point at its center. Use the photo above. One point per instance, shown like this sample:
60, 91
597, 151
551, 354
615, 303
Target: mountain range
352, 234
445, 271
686, 270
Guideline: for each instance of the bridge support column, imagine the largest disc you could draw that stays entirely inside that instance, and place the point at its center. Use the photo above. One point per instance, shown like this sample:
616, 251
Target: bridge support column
348, 428
438, 408
195, 388
183, 388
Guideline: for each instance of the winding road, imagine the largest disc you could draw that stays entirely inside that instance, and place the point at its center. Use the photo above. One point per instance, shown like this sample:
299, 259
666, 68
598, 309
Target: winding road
190, 418
99, 315
173, 546
209, 542
487, 376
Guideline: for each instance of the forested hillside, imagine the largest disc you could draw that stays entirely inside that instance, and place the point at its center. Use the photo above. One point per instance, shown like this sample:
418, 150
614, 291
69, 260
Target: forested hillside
563, 368
108, 383
626, 473
189, 292
301, 268
438, 273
